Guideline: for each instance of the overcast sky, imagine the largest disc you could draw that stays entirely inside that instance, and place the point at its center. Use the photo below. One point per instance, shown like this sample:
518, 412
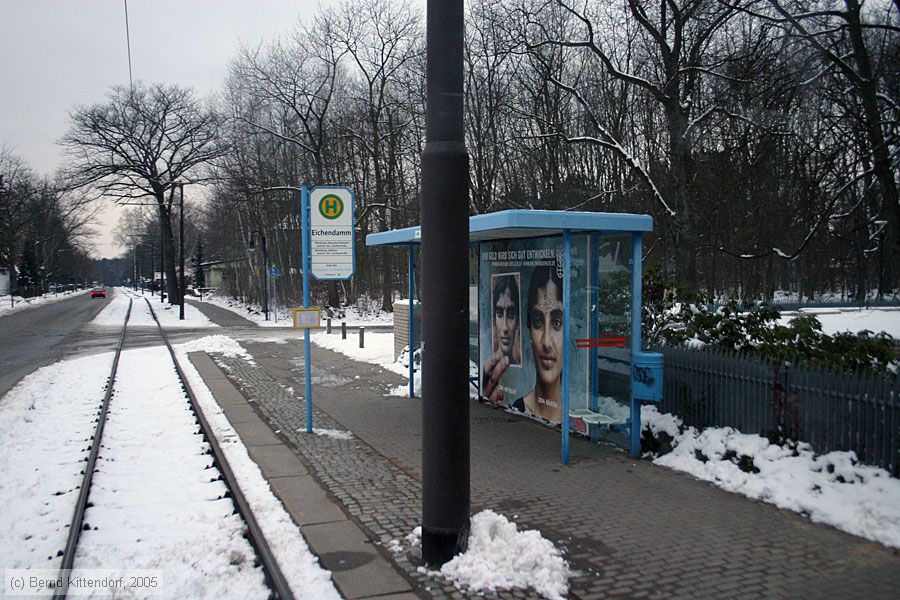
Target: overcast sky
58, 54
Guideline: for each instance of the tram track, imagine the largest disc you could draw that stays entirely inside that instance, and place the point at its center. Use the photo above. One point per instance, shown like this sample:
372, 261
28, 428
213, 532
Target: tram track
272, 574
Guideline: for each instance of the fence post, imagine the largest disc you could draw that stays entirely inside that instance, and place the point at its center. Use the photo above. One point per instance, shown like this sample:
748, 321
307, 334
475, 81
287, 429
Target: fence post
362, 337
343, 330
328, 325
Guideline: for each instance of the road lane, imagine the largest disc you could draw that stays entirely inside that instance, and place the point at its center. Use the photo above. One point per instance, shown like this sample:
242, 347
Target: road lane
35, 337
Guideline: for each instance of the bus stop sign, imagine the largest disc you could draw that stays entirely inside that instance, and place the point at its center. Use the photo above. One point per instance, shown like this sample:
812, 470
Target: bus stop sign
331, 232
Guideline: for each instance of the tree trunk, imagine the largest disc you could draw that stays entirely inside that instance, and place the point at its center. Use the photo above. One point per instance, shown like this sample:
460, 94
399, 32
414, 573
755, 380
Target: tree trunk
884, 174
679, 166
168, 240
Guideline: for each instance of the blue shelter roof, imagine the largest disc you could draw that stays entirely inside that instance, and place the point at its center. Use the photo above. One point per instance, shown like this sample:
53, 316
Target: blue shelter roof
526, 223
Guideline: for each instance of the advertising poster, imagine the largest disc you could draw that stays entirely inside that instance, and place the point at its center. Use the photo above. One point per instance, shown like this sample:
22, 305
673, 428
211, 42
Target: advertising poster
521, 321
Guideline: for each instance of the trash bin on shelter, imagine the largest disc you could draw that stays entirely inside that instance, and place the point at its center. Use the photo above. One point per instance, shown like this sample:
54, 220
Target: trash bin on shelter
648, 376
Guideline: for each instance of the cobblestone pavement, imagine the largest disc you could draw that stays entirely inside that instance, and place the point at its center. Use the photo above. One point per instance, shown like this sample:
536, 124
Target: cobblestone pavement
631, 529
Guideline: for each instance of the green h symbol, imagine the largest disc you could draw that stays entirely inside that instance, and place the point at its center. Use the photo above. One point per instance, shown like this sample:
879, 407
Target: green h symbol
331, 207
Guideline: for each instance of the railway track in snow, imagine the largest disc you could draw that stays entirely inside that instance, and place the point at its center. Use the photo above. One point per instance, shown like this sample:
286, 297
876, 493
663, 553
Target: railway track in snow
219, 468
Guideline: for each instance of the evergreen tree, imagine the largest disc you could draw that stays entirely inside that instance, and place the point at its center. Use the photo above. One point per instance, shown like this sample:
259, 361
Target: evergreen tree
197, 262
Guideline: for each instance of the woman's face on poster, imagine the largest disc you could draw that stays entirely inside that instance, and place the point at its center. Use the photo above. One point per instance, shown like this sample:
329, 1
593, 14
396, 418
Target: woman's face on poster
546, 320
506, 321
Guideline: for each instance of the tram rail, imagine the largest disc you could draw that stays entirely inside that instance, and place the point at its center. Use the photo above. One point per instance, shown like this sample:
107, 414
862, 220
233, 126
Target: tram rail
273, 575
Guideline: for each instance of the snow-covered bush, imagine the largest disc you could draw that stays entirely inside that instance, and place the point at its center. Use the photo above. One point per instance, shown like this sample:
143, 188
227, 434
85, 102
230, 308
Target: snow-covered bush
670, 319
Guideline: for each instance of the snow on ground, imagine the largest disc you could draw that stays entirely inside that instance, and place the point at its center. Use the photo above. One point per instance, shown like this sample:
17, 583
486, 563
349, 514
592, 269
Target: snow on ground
154, 504
16, 303
379, 351
332, 433
361, 314
379, 348
114, 313
836, 320
155, 501
219, 344
499, 557
304, 574
46, 420
830, 488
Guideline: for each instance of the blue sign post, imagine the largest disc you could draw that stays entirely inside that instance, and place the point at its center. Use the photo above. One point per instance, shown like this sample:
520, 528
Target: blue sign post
332, 257
304, 212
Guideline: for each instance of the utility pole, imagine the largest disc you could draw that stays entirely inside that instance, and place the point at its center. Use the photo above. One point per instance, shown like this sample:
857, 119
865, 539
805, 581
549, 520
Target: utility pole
181, 254
445, 302
265, 257
162, 258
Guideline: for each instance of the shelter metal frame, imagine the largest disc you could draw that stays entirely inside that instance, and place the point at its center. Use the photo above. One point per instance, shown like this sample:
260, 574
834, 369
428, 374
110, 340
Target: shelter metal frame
513, 224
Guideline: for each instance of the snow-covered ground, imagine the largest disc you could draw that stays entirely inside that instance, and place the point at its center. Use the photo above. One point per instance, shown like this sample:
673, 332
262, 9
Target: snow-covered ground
46, 420
114, 313
836, 320
301, 568
829, 488
16, 303
363, 314
156, 503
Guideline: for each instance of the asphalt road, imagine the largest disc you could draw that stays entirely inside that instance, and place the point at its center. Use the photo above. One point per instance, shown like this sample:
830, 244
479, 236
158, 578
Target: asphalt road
35, 337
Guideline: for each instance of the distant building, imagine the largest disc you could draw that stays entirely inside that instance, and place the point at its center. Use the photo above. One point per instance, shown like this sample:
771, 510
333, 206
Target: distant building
220, 273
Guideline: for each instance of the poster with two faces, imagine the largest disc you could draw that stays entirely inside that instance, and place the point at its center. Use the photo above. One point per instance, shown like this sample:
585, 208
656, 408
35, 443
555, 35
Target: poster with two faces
521, 324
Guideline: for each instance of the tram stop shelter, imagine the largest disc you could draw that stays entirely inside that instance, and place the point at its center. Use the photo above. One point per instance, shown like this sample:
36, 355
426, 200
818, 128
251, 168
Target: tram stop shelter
555, 311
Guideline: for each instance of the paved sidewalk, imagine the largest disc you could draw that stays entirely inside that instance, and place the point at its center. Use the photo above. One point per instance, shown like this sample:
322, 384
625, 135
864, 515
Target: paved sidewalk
630, 528
358, 570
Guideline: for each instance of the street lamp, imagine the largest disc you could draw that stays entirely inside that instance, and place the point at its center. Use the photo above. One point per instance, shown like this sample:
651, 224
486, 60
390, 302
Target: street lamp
880, 224
251, 245
181, 251
445, 234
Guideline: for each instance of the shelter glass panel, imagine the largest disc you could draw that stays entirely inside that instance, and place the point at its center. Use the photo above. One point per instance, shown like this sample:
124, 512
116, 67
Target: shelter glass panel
609, 347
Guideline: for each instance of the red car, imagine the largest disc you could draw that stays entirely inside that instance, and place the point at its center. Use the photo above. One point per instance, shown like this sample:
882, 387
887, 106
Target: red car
98, 292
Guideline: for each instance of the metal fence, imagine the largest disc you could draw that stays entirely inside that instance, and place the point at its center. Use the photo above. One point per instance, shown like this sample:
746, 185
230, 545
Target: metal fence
829, 410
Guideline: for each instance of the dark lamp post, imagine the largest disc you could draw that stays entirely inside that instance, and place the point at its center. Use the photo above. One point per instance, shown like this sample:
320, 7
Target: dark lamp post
445, 303
181, 286
251, 245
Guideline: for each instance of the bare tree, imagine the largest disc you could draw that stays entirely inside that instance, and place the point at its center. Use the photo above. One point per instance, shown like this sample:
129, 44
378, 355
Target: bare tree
142, 143
382, 39
859, 46
676, 39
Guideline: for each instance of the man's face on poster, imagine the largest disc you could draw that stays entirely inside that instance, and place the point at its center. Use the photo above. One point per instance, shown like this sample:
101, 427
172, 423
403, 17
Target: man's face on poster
546, 322
506, 321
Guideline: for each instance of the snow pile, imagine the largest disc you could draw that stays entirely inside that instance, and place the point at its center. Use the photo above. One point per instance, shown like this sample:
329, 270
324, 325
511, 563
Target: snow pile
830, 488
217, 344
500, 557
611, 407
658, 422
332, 433
379, 348
46, 420
301, 568
362, 313
18, 303
401, 367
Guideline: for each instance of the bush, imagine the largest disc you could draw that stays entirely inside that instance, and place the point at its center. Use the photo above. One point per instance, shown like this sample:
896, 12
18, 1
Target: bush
672, 320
